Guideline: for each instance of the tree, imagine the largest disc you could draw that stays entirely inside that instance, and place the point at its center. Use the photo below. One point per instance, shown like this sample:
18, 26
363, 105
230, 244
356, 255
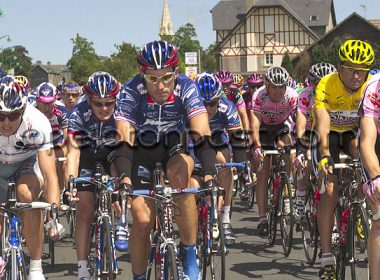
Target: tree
287, 64
84, 60
333, 52
17, 58
318, 54
209, 59
123, 64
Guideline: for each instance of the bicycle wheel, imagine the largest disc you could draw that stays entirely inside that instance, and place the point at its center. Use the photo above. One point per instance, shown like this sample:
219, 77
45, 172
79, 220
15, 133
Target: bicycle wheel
51, 252
272, 214
358, 238
218, 254
251, 196
15, 269
71, 219
154, 259
171, 271
202, 255
286, 214
107, 266
340, 250
309, 229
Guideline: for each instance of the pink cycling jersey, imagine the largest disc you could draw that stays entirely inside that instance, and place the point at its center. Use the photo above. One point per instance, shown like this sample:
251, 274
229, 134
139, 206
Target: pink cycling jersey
274, 112
370, 104
305, 103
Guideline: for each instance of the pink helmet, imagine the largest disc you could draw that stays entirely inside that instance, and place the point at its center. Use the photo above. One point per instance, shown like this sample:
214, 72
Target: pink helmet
224, 76
255, 79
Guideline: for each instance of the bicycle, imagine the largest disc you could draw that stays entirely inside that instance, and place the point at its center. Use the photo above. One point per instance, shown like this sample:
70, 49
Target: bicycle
12, 252
280, 193
102, 256
353, 223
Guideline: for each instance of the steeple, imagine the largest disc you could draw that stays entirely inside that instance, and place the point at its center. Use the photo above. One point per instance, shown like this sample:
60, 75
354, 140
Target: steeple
166, 26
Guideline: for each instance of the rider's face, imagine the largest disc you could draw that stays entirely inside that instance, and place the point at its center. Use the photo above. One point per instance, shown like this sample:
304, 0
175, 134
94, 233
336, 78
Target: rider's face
103, 108
353, 75
160, 83
46, 108
276, 93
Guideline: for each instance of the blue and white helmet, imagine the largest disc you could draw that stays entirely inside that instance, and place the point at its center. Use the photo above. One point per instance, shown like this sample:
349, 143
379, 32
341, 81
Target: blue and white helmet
101, 84
209, 86
12, 96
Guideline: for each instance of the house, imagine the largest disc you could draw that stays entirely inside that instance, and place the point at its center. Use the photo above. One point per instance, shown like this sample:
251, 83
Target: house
52, 73
364, 30
252, 35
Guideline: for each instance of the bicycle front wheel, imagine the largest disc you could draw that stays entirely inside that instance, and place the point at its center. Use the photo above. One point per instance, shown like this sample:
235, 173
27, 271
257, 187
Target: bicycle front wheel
107, 266
15, 269
170, 264
358, 238
286, 214
218, 254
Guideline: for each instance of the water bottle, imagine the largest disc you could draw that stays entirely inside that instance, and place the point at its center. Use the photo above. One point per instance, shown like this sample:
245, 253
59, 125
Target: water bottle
343, 224
276, 183
316, 199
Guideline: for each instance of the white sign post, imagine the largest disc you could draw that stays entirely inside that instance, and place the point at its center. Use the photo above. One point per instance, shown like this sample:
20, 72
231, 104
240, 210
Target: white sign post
191, 58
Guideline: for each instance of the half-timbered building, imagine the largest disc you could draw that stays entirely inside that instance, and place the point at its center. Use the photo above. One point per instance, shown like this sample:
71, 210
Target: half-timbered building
252, 35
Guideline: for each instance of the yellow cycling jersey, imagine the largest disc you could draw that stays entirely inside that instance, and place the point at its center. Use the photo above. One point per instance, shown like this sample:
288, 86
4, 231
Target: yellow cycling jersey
342, 107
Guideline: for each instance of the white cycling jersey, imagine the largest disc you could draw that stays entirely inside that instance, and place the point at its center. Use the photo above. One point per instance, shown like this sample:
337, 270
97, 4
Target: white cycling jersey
34, 134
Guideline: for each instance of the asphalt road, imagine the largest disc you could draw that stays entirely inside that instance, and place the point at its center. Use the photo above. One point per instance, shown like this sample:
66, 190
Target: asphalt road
250, 258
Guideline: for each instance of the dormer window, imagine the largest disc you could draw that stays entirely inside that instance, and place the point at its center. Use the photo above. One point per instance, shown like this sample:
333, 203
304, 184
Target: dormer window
313, 17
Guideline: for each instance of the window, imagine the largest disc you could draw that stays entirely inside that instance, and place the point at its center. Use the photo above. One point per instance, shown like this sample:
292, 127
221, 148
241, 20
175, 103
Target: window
313, 17
268, 59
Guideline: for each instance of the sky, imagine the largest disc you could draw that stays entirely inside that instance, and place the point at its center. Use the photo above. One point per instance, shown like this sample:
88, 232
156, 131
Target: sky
46, 27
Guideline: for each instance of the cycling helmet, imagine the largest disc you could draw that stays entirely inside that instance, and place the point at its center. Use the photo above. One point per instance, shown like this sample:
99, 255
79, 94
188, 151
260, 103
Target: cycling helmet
321, 69
292, 83
12, 96
7, 79
225, 76
374, 71
255, 79
209, 86
23, 80
46, 93
71, 87
277, 76
157, 55
237, 80
357, 52
101, 84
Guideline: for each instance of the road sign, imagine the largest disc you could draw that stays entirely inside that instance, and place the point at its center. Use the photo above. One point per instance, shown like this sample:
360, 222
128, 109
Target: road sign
189, 70
191, 58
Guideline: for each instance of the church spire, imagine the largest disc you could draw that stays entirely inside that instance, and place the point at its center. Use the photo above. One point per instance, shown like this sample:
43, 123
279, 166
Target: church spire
166, 26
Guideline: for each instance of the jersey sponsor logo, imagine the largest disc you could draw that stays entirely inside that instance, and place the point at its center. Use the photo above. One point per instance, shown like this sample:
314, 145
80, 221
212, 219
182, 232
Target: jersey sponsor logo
374, 99
143, 172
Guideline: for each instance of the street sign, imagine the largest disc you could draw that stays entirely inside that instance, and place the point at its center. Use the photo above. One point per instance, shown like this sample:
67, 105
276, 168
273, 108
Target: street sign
189, 70
191, 58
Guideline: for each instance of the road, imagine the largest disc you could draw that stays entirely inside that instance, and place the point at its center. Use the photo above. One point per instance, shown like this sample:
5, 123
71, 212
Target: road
250, 258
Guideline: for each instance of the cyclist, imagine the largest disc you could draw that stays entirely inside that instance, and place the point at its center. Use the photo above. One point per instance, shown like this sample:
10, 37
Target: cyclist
337, 98
272, 113
304, 122
157, 105
57, 115
91, 138
23, 81
369, 144
226, 135
254, 81
71, 93
233, 93
25, 136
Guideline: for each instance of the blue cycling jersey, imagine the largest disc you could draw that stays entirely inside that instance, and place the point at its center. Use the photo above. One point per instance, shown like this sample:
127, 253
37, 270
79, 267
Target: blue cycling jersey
91, 133
152, 120
226, 117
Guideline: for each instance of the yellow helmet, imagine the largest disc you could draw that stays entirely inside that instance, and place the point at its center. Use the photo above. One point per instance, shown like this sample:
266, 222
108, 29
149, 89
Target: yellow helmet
23, 80
193, 76
237, 80
357, 52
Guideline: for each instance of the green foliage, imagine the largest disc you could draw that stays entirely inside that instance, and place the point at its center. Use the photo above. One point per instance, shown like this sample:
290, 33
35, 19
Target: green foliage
16, 58
84, 60
287, 64
333, 51
318, 54
123, 64
209, 59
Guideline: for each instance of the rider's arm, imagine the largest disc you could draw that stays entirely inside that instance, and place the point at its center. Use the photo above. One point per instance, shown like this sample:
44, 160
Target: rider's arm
73, 157
242, 111
206, 154
238, 145
46, 162
255, 126
368, 136
301, 122
322, 124
124, 151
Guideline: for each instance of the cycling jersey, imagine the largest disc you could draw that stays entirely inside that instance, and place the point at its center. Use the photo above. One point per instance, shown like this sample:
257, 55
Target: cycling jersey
33, 134
305, 103
58, 121
342, 107
236, 97
90, 133
274, 112
152, 120
226, 117
370, 104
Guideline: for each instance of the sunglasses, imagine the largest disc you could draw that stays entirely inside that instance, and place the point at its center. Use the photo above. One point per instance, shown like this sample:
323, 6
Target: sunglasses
166, 78
73, 95
354, 70
11, 116
101, 104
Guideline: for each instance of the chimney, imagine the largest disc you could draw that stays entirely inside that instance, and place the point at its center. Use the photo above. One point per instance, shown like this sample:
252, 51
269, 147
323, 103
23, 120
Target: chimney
39, 62
48, 63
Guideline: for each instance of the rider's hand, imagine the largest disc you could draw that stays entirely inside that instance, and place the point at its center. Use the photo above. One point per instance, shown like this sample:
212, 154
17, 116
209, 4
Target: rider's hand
257, 154
55, 233
326, 165
70, 197
116, 198
300, 161
372, 190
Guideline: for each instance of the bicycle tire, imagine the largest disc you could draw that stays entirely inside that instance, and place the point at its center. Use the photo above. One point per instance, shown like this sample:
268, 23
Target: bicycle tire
341, 250
309, 229
251, 196
170, 263
72, 221
358, 238
286, 215
106, 268
16, 269
51, 244
218, 254
202, 240
153, 263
